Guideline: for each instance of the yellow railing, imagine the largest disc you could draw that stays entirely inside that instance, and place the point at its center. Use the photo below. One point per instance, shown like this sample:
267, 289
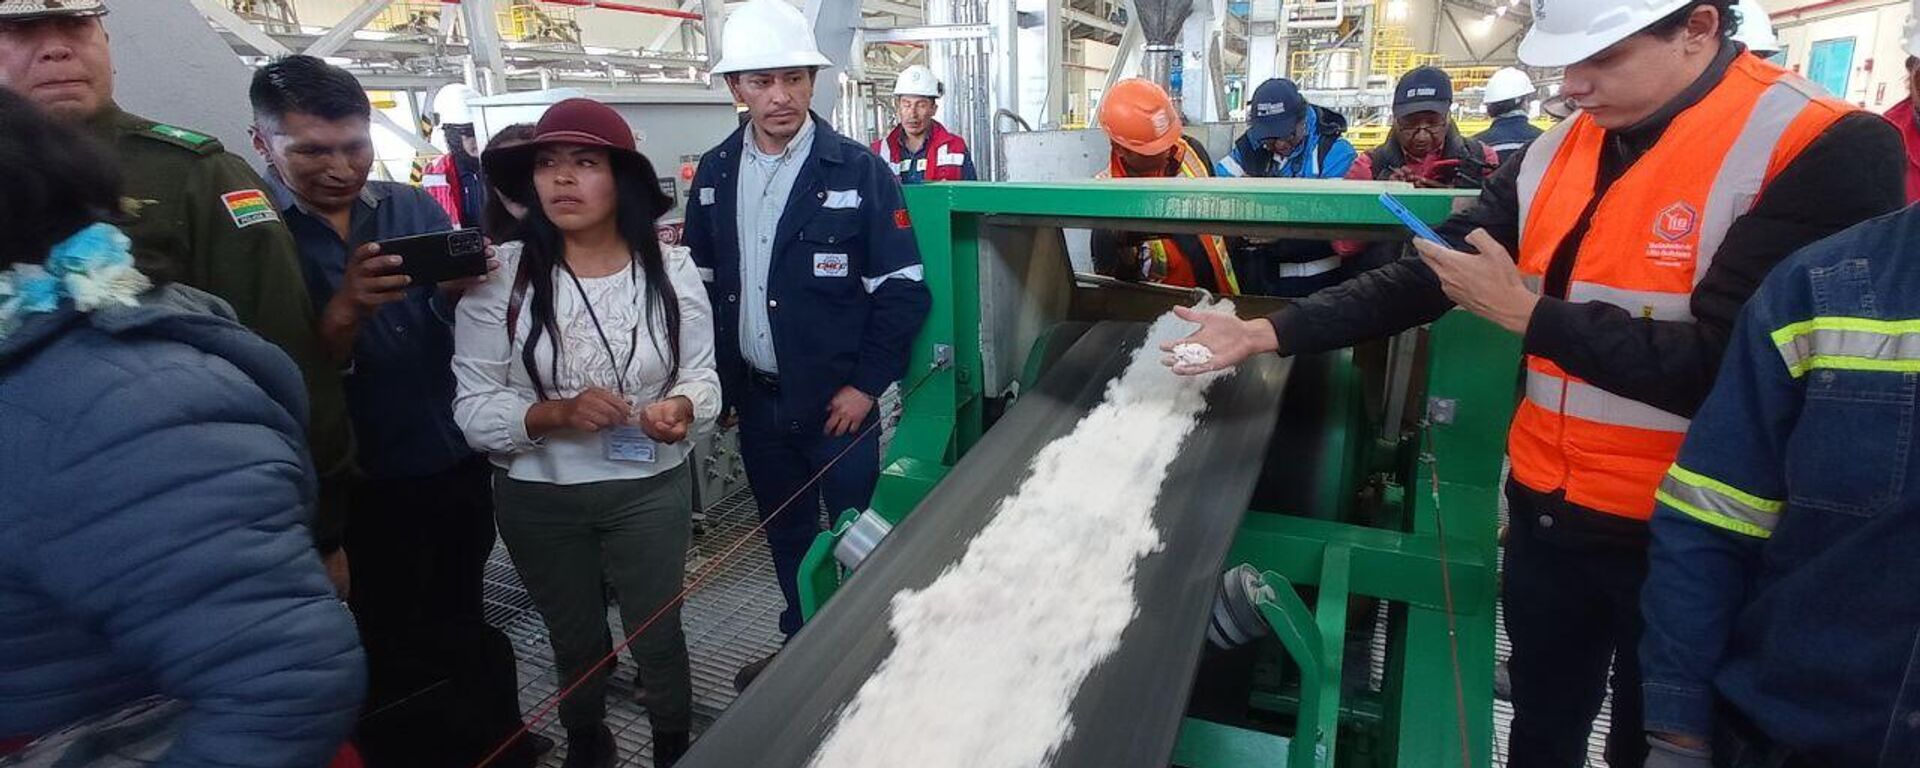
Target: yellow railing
528, 21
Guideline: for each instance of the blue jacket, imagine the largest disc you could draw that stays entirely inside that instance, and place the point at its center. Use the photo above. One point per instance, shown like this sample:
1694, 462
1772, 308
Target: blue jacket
1508, 134
854, 329
1324, 154
153, 538
1784, 582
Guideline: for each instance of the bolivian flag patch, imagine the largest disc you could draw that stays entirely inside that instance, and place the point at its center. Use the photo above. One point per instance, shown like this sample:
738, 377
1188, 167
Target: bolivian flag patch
249, 207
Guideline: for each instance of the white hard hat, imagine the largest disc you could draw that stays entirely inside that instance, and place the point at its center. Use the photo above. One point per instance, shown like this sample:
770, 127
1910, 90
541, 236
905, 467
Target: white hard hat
1568, 31
450, 104
1507, 84
1756, 30
767, 34
917, 80
1912, 30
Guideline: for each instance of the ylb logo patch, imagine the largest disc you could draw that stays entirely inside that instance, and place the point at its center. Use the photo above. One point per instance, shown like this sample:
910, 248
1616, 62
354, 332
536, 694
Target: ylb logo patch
1675, 222
1673, 230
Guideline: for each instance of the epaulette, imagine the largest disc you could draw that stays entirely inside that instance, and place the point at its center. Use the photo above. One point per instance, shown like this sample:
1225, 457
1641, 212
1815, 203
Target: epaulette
194, 141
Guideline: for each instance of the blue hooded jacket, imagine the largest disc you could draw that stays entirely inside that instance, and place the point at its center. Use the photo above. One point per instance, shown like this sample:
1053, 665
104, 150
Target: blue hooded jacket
154, 541
1324, 154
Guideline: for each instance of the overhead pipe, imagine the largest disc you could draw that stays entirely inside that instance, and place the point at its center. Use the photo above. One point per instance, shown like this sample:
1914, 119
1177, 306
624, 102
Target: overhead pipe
605, 5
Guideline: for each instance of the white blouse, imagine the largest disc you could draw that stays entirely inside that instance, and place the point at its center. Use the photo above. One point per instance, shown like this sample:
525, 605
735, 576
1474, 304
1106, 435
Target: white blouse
495, 392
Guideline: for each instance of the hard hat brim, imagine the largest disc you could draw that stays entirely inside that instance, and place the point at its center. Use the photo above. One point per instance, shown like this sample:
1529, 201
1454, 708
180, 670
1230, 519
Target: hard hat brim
1547, 49
733, 65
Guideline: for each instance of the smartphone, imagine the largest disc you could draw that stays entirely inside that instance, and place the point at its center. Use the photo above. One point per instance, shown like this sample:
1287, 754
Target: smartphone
1420, 228
439, 256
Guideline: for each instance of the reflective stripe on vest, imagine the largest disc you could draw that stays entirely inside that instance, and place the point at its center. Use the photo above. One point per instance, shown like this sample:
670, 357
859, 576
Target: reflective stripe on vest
1651, 240
1163, 257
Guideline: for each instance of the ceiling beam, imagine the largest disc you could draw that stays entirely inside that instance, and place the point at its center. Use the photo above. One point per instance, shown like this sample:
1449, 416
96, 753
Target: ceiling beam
356, 20
1087, 19
891, 8
256, 39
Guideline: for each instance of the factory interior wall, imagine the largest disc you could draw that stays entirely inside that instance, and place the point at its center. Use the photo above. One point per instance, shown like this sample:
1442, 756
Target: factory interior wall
1429, 29
1876, 75
188, 77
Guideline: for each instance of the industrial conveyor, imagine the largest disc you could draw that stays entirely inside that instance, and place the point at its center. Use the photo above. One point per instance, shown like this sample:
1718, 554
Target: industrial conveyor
1131, 704
1325, 480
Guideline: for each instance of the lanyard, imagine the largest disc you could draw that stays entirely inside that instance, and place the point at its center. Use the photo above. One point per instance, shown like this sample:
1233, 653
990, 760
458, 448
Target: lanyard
633, 342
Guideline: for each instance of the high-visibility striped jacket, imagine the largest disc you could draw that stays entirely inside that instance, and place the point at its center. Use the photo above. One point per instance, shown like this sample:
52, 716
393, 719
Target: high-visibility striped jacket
1783, 577
1839, 179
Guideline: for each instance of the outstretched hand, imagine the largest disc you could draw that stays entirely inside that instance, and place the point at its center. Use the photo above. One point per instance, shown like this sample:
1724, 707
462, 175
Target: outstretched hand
1229, 339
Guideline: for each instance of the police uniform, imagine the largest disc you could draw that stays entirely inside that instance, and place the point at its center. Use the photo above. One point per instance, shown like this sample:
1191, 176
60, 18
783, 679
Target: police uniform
199, 215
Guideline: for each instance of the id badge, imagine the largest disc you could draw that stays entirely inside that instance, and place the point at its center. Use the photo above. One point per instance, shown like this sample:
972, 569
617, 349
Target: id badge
629, 443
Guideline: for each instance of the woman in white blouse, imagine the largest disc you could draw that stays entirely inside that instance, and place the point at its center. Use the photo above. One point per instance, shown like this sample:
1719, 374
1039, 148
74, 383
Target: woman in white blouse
584, 371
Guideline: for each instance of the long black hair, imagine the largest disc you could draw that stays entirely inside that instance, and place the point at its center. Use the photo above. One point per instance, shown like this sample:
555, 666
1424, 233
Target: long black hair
57, 182
496, 221
638, 204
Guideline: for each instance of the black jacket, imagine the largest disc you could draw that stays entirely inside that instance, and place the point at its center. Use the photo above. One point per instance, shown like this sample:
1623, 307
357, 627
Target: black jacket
1849, 174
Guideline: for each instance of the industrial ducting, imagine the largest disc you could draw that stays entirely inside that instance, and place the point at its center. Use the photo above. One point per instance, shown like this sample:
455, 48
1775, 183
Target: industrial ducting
1160, 22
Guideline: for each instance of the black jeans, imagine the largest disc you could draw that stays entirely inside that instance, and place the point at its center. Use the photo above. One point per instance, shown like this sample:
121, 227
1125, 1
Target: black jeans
443, 690
1572, 606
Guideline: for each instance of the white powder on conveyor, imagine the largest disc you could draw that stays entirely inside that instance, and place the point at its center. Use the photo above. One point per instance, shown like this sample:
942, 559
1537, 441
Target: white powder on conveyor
988, 658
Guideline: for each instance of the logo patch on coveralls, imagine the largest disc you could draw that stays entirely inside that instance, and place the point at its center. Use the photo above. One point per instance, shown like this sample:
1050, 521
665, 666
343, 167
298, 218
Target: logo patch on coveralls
830, 265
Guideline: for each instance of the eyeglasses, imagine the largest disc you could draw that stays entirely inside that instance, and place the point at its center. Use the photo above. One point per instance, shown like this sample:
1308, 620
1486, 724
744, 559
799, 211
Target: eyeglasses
1429, 129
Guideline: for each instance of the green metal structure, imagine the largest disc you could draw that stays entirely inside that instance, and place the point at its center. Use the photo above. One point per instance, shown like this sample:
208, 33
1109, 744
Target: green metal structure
1405, 512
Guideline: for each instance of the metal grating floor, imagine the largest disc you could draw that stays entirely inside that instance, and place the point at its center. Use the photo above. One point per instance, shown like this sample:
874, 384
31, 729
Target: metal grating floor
731, 620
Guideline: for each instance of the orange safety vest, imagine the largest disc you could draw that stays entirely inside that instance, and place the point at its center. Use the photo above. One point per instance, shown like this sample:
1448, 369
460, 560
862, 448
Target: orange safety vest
1651, 240
1164, 260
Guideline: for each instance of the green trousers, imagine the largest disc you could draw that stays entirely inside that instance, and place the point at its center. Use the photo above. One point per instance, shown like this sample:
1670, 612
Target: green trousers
563, 538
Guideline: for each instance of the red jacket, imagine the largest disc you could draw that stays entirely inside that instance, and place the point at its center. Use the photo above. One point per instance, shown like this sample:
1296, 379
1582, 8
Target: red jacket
441, 180
945, 158
1901, 115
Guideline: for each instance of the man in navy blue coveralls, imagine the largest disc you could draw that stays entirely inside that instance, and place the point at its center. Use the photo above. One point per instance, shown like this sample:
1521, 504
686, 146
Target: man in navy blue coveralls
817, 292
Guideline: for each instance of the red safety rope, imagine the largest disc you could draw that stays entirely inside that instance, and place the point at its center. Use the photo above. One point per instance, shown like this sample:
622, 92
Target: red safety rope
699, 580
1446, 590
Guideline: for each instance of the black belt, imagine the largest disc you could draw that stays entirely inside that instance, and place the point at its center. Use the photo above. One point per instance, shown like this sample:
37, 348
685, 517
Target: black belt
763, 379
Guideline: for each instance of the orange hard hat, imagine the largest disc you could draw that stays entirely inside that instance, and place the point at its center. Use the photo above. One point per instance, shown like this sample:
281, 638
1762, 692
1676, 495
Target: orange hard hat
1138, 116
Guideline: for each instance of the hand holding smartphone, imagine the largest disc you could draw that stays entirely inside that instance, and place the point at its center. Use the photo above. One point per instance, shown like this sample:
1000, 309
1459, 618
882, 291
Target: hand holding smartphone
1406, 217
439, 256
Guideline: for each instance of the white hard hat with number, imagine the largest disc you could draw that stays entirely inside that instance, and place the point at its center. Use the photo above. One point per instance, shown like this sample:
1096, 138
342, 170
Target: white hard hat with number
450, 104
1756, 30
1568, 31
767, 34
917, 80
1508, 84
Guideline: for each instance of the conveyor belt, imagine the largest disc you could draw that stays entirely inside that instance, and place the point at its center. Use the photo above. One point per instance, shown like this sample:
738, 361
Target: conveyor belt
1128, 711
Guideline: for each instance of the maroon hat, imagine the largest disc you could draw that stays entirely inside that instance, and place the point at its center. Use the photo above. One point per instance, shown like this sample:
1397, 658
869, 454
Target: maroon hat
573, 121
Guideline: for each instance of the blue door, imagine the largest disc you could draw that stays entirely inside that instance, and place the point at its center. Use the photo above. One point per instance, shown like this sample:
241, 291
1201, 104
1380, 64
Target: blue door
1831, 64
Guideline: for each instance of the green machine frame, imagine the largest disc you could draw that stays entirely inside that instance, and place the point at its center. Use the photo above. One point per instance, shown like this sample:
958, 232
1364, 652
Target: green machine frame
1434, 472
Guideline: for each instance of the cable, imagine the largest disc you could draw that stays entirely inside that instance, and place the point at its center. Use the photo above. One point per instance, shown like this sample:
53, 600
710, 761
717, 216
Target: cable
699, 580
1446, 589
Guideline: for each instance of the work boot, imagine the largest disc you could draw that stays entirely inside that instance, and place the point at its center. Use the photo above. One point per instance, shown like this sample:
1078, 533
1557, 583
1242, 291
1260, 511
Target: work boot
746, 675
669, 746
590, 749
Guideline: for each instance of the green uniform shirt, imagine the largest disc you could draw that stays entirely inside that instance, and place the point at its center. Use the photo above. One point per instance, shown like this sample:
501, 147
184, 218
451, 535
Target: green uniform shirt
198, 215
